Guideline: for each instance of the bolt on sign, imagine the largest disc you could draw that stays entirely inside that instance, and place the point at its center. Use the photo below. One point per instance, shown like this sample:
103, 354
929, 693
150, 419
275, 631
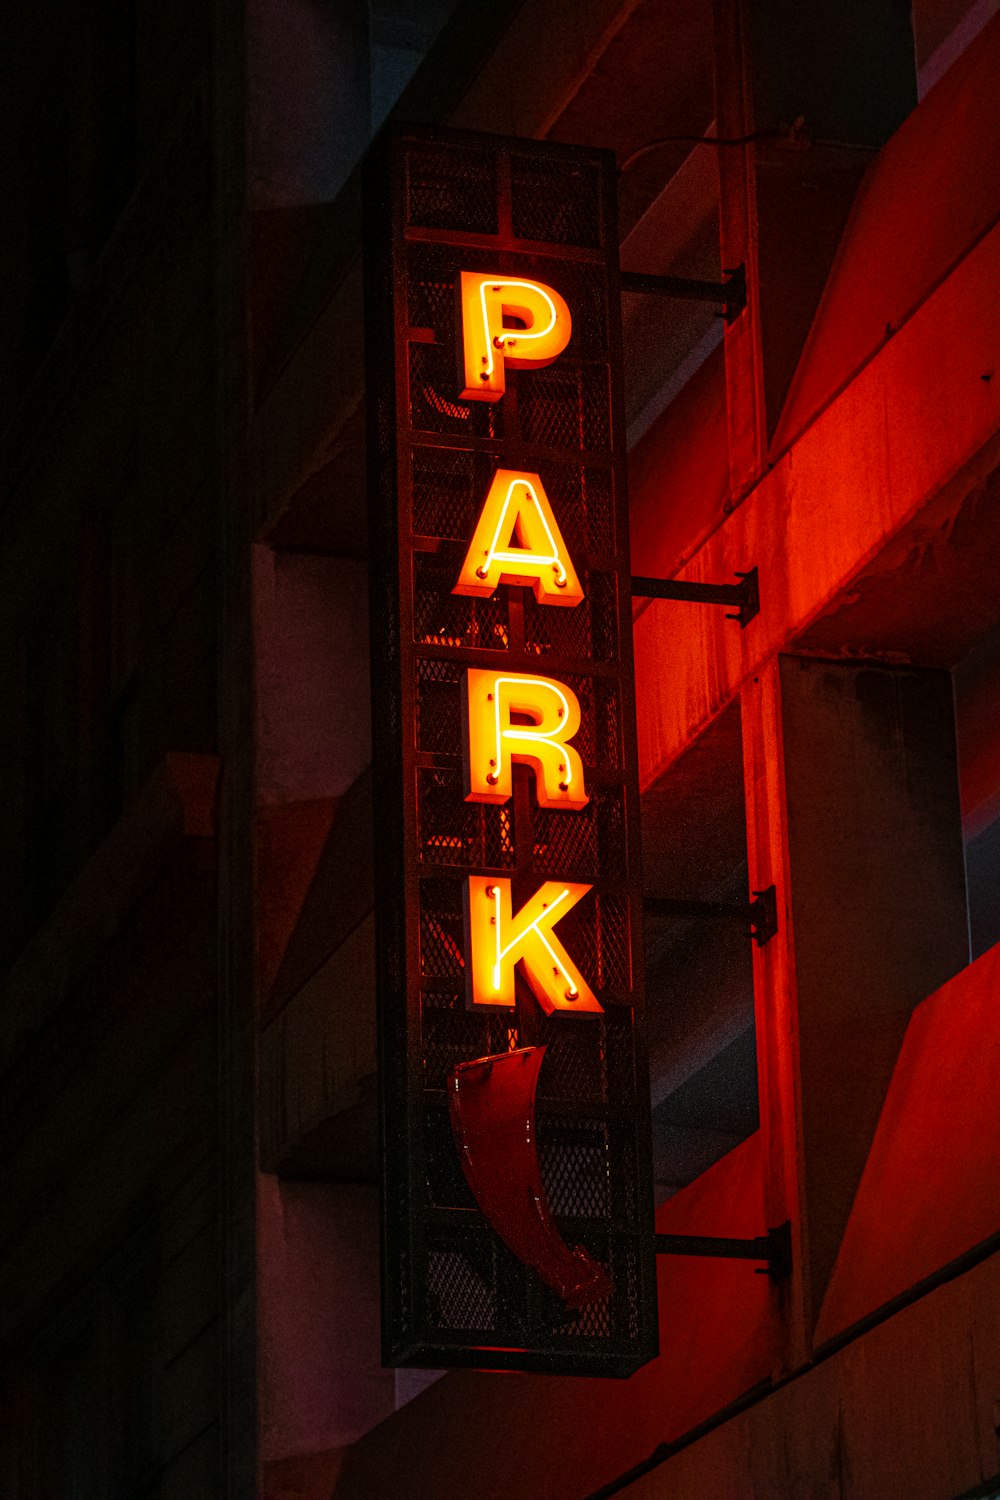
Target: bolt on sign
517, 1194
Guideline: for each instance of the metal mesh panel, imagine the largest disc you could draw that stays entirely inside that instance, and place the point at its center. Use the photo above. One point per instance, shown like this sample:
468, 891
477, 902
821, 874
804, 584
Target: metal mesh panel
556, 200
614, 964
619, 1053
627, 1286
594, 1322
452, 1034
430, 288
446, 1184
587, 739
611, 833
452, 190
459, 1295
439, 706
615, 1316
578, 932
566, 407
575, 1168
575, 1069
621, 1149
434, 402
590, 631
433, 273
455, 832
581, 497
441, 618
607, 723
581, 845
565, 843
448, 485
442, 942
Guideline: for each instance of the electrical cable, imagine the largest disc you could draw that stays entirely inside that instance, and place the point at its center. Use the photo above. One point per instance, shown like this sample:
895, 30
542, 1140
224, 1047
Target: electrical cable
795, 136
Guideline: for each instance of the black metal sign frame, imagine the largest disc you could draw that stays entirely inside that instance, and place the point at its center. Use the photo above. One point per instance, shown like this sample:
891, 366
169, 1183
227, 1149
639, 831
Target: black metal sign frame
439, 203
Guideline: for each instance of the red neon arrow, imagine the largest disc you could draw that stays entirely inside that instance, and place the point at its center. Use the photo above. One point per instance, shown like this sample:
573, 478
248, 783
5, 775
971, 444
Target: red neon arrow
492, 1104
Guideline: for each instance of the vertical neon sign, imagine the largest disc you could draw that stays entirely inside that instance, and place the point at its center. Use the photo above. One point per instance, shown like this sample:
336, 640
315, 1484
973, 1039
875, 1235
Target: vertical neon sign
508, 897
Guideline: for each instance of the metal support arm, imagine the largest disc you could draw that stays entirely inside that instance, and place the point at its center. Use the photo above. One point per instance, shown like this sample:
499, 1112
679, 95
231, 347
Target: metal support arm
745, 595
775, 1248
759, 915
731, 293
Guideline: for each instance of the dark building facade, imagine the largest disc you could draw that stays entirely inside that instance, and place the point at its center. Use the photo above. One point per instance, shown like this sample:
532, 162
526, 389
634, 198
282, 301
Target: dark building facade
189, 1243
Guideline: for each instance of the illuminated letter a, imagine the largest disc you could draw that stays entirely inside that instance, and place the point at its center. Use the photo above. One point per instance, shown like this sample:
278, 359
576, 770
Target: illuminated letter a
517, 510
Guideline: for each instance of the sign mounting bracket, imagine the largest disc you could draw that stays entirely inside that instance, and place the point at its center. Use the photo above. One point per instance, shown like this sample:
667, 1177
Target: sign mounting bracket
745, 595
775, 1248
731, 293
759, 915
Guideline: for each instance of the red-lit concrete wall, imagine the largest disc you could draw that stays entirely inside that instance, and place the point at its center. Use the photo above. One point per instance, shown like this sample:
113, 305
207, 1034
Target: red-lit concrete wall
868, 466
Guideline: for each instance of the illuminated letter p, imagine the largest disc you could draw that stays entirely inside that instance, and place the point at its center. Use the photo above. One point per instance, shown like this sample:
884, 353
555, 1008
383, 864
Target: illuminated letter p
488, 343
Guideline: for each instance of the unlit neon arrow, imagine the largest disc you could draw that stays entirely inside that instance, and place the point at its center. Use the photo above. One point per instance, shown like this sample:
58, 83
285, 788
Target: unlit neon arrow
492, 1102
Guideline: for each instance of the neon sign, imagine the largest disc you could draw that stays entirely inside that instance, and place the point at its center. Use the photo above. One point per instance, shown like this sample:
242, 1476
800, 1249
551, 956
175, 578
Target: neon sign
514, 1097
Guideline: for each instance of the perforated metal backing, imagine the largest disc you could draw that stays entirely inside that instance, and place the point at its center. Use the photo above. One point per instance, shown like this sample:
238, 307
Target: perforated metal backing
556, 200
453, 189
453, 1292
